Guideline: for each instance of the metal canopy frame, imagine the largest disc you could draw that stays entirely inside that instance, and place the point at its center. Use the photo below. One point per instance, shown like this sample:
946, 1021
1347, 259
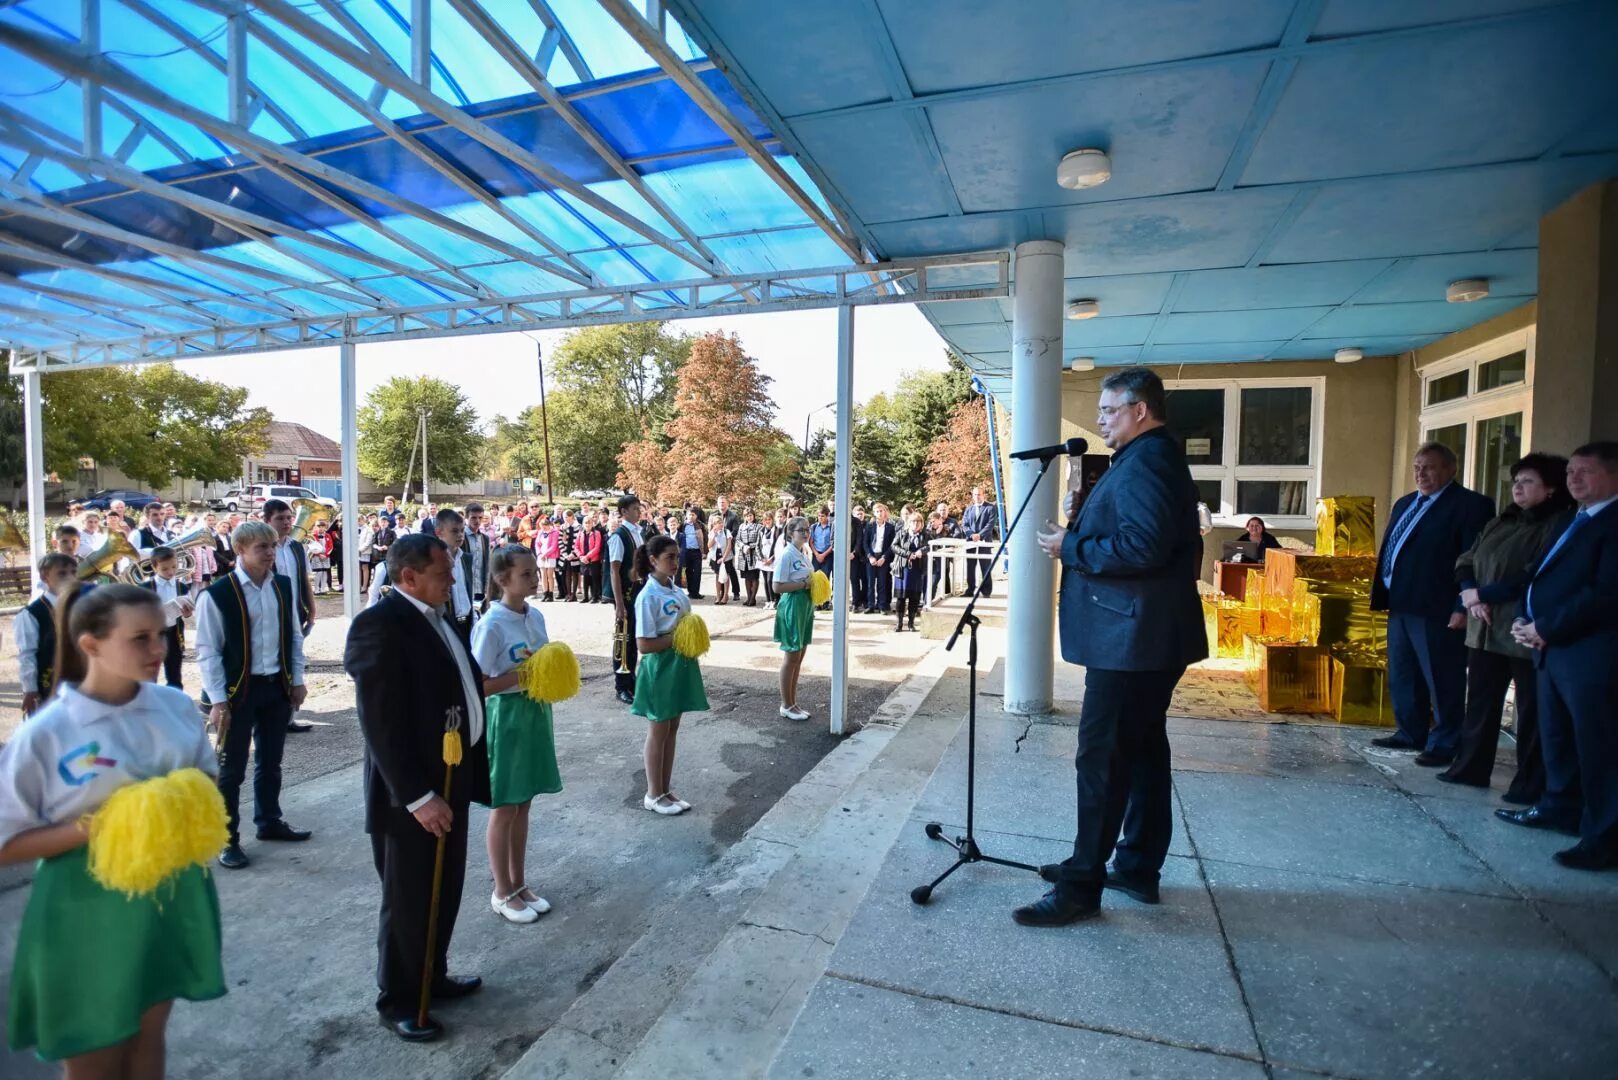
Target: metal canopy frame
978, 276
311, 285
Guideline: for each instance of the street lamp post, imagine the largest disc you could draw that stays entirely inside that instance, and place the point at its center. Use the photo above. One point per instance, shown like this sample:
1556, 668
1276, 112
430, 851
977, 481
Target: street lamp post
811, 415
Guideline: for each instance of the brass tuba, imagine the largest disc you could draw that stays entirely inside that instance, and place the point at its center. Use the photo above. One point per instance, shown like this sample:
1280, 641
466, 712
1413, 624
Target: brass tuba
104, 561
308, 513
183, 546
11, 537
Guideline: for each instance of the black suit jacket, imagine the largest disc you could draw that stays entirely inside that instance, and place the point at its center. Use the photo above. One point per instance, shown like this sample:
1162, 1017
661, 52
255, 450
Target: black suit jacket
405, 680
1424, 576
879, 541
1131, 562
1572, 594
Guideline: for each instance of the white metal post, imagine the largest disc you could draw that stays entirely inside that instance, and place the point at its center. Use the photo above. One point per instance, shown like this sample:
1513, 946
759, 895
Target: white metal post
843, 503
425, 498
347, 392
1036, 420
34, 458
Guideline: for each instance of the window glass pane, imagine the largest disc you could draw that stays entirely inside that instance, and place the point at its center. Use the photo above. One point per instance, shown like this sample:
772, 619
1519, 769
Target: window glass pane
1503, 372
1499, 444
1273, 497
1453, 436
1209, 494
1447, 388
1197, 419
1275, 426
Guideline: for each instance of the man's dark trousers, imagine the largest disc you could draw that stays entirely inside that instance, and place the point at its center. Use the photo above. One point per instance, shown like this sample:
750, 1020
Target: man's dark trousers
980, 568
259, 721
879, 588
173, 655
405, 853
1123, 761
1426, 657
859, 582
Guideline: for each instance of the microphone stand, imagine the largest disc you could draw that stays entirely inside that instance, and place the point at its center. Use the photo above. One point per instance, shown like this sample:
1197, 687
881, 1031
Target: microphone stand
966, 847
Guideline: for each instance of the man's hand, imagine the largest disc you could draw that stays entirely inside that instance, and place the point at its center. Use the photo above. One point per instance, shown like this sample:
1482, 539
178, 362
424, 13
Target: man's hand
298, 695
219, 723
30, 702
435, 816
1524, 633
1050, 538
977, 536
1070, 504
1470, 598
1457, 620
1481, 611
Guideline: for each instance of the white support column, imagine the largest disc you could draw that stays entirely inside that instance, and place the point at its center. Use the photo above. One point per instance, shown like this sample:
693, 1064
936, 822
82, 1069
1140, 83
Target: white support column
348, 395
34, 459
421, 42
1036, 420
843, 504
236, 67
90, 90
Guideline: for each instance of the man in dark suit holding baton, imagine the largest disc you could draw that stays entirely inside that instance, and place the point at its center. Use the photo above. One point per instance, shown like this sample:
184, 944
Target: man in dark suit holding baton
1130, 615
414, 679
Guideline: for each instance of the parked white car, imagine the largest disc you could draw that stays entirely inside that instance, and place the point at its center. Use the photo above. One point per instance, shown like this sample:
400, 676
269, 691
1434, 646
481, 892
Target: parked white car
252, 497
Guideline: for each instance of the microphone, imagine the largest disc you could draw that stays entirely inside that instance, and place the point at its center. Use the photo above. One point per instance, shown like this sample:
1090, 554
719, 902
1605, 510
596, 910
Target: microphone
1071, 448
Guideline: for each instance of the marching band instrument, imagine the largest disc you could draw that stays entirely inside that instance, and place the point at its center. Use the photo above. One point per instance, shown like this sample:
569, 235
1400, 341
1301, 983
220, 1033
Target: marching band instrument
309, 512
106, 559
620, 646
183, 546
11, 537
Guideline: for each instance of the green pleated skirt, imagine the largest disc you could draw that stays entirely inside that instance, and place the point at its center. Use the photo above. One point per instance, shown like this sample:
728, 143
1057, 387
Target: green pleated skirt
794, 620
90, 962
668, 685
522, 749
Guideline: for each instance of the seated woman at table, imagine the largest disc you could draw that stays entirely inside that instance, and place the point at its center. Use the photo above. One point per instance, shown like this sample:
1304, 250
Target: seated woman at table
1258, 534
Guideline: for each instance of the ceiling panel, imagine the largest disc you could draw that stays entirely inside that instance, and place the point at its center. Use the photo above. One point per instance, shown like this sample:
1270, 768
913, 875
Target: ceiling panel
1091, 333
1133, 294
1209, 352
1510, 274
1343, 17
1277, 286
843, 145
1222, 326
1175, 232
1431, 317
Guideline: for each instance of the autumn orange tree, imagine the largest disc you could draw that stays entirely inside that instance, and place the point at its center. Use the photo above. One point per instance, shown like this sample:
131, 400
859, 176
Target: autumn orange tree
722, 439
958, 460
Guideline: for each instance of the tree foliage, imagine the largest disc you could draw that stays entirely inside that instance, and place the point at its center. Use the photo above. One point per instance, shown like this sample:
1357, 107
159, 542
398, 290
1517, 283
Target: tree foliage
958, 460
387, 430
153, 424
722, 439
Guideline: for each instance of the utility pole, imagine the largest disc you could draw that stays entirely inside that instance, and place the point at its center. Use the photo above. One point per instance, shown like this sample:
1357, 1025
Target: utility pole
544, 422
424, 416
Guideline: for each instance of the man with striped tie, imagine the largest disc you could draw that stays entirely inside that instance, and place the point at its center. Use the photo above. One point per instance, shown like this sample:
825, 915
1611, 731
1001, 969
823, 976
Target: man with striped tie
1415, 584
1570, 618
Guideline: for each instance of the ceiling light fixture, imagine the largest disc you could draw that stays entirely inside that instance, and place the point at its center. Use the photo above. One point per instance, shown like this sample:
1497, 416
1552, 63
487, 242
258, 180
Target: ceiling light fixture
1083, 309
1082, 169
1083, 363
1348, 356
1467, 290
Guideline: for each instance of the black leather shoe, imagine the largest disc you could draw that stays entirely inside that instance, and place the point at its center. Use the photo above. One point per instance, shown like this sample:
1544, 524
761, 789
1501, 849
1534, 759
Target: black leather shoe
1518, 800
1579, 857
456, 986
1140, 889
1059, 907
298, 727
407, 1029
280, 830
1450, 778
1429, 760
626, 697
1394, 742
1535, 818
233, 857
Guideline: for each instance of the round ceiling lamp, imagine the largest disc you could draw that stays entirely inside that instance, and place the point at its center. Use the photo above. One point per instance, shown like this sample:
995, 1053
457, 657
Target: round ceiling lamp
1347, 356
1082, 169
1083, 309
1467, 290
1083, 363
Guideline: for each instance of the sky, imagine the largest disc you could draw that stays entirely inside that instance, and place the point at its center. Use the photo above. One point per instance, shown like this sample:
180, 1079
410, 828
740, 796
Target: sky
498, 375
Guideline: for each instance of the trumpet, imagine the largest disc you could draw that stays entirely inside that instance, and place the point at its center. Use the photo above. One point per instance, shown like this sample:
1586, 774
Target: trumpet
620, 647
106, 559
308, 512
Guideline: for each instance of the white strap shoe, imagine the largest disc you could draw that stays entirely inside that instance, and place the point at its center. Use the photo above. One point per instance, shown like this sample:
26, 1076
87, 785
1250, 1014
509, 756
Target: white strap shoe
661, 805
520, 914
536, 903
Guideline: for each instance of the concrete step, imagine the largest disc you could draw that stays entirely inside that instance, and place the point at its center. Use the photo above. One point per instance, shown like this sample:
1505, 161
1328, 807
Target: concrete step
938, 621
713, 986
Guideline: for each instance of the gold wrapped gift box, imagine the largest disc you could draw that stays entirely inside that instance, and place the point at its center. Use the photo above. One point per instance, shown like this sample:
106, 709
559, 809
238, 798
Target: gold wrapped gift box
1360, 690
1227, 622
1289, 677
1345, 525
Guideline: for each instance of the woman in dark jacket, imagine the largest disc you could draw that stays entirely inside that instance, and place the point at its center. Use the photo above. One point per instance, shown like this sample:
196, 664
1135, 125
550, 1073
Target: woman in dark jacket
1260, 534
1491, 576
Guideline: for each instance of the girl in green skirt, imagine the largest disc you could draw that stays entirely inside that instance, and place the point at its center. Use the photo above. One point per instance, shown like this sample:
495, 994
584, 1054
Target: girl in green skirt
522, 744
667, 684
96, 972
794, 613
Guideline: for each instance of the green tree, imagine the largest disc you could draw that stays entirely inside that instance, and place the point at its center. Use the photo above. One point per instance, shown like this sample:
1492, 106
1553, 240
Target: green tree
388, 425
12, 453
633, 367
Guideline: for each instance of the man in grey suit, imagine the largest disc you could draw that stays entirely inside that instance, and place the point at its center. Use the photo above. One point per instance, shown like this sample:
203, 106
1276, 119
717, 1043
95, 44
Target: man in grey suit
1130, 616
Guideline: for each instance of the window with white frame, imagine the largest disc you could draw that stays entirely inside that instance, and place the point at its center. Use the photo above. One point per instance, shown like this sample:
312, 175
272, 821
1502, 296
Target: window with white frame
1477, 404
1254, 446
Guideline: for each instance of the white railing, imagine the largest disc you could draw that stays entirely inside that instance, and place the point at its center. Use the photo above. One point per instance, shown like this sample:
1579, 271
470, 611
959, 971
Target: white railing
946, 566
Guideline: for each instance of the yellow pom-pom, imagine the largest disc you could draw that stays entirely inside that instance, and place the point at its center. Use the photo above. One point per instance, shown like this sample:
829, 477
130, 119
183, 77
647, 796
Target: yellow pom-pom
550, 674
148, 832
819, 588
452, 748
691, 636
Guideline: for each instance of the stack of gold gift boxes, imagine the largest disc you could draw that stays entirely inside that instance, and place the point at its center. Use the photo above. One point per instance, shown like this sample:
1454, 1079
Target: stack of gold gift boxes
1305, 628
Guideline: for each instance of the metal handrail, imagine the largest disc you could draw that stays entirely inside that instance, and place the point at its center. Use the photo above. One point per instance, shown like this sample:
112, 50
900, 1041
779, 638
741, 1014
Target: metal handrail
955, 552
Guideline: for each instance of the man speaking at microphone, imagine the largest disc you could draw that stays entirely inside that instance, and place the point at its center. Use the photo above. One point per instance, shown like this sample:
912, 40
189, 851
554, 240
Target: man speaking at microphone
1130, 616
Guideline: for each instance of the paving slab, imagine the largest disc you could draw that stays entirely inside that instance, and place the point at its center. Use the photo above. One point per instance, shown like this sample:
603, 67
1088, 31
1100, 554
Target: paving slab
1377, 834
1024, 787
1158, 972
1400, 769
850, 1031
1359, 978
1591, 930
1278, 751
1523, 856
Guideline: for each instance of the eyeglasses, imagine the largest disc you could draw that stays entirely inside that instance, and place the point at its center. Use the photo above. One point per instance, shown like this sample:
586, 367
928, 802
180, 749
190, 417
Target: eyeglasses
1106, 412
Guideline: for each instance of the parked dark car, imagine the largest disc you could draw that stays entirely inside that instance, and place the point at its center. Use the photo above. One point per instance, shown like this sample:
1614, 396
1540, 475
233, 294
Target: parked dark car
103, 500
